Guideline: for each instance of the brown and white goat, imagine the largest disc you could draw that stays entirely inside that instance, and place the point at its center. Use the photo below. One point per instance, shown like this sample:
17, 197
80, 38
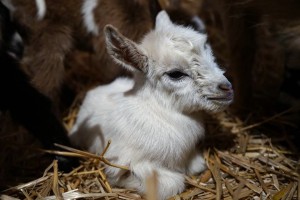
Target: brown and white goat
54, 29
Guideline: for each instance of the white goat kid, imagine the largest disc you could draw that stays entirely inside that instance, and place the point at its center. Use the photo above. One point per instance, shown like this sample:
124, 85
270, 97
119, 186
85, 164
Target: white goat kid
154, 121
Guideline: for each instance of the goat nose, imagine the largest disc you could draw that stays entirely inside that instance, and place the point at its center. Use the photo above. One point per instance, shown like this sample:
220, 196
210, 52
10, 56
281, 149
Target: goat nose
225, 86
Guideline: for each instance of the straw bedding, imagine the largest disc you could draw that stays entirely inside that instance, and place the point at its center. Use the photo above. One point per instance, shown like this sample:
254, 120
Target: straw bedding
243, 163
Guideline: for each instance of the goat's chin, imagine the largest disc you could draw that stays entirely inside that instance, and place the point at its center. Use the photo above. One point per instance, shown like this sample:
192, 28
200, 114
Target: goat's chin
216, 106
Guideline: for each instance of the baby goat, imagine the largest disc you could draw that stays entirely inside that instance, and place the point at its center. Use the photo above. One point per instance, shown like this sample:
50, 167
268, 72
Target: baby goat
154, 121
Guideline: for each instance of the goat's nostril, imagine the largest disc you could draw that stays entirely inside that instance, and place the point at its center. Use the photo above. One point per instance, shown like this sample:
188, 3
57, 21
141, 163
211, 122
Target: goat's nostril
225, 86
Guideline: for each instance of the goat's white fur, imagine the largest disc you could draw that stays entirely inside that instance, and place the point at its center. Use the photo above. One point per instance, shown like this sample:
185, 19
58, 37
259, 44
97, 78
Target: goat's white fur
15, 43
17, 38
41, 9
153, 121
87, 11
199, 23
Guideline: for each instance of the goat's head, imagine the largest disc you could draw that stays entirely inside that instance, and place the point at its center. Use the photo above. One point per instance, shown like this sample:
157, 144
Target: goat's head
176, 61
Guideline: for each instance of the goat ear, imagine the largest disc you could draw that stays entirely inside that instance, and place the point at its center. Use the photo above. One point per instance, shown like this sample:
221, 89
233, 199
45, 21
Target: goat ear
124, 51
162, 20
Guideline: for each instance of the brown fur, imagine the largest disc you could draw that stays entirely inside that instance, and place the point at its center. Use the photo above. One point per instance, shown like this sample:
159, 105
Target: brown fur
53, 39
54, 42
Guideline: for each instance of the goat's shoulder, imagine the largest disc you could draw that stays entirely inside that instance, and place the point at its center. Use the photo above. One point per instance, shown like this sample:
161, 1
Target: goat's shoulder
117, 87
104, 98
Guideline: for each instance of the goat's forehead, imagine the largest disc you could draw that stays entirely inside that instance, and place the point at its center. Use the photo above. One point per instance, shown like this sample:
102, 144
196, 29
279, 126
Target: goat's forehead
171, 37
173, 49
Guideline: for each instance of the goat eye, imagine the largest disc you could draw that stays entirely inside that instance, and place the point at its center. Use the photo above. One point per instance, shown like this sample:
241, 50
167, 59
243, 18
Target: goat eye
176, 74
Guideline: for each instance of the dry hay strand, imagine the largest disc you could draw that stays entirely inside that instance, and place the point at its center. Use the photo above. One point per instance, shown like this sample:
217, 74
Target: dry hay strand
252, 168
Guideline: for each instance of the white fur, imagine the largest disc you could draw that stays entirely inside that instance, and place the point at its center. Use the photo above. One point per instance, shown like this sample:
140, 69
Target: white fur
88, 16
199, 23
153, 121
16, 44
17, 38
41, 9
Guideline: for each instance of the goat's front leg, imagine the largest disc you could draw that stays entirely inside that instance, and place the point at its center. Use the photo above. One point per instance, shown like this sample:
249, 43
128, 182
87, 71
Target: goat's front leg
169, 182
44, 58
197, 163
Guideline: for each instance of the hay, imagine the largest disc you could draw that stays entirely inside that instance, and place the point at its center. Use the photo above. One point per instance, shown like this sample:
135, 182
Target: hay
251, 168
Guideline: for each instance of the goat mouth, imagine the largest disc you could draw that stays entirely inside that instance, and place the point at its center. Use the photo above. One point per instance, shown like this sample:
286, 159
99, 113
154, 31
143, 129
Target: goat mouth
224, 99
